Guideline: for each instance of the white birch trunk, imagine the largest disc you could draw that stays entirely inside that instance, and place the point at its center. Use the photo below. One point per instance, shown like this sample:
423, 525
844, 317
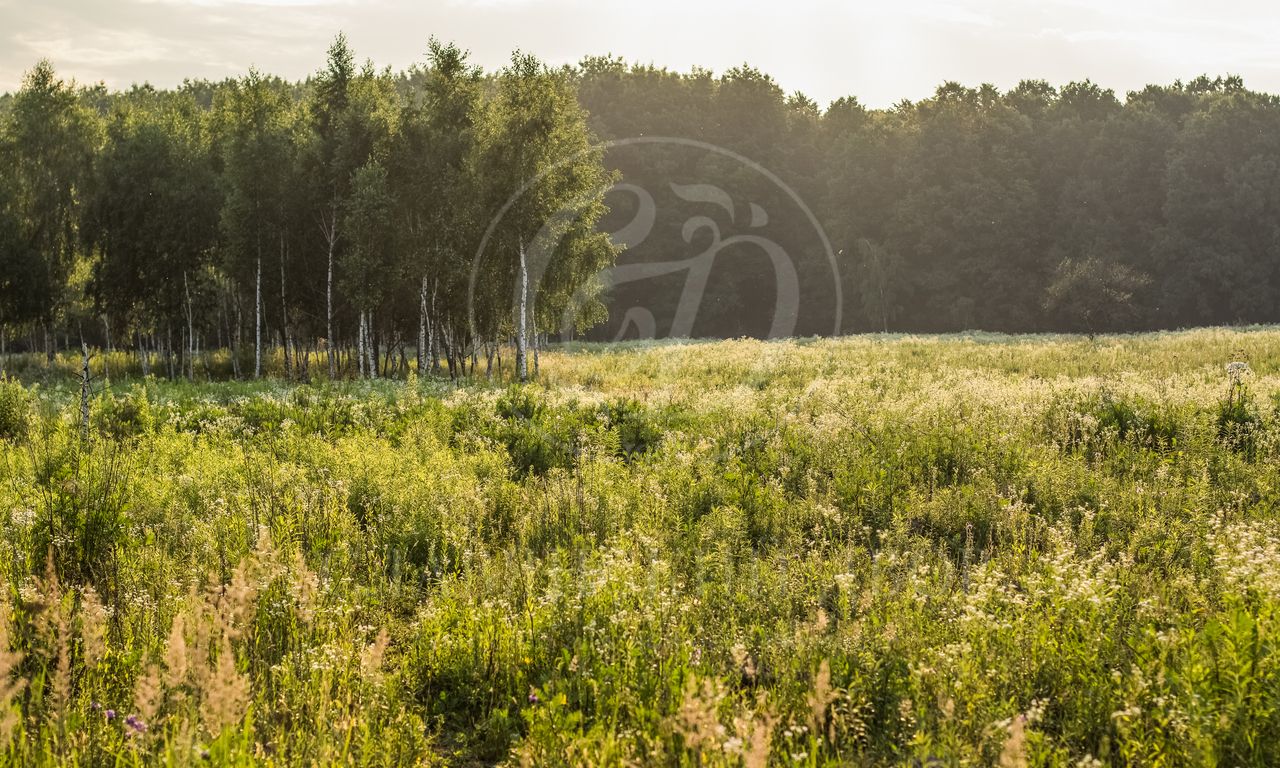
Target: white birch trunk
368, 346
360, 347
238, 336
191, 342
422, 327
431, 329
332, 235
289, 362
522, 363
257, 322
145, 356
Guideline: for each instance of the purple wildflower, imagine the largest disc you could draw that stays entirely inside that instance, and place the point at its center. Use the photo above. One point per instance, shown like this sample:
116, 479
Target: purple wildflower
111, 714
135, 722
533, 696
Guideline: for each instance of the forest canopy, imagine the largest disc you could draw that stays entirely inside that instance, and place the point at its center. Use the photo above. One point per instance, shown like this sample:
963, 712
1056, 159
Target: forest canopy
393, 214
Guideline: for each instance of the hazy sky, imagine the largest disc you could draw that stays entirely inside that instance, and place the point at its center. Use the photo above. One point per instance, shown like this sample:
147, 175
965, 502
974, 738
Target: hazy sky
880, 52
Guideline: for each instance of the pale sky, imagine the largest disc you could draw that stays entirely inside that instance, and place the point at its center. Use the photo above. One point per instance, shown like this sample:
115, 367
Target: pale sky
880, 52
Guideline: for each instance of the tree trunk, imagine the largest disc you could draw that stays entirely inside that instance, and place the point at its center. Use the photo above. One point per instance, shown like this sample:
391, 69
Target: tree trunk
84, 393
448, 352
221, 324
422, 327
371, 347
332, 235
431, 329
226, 326
360, 346
237, 336
257, 321
289, 362
191, 342
522, 363
144, 356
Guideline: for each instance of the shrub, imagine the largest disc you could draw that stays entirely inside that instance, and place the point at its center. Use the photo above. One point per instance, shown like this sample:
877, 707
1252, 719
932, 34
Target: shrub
126, 415
635, 427
322, 411
540, 437
262, 413
1093, 424
1238, 422
15, 410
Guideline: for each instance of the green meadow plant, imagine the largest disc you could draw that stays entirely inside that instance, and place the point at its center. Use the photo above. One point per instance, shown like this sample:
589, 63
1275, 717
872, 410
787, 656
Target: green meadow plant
969, 550
15, 409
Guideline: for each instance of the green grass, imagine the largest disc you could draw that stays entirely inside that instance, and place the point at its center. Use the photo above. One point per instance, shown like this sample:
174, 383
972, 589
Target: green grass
873, 551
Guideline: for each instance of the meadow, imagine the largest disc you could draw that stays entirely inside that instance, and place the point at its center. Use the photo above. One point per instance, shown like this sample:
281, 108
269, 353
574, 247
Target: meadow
881, 550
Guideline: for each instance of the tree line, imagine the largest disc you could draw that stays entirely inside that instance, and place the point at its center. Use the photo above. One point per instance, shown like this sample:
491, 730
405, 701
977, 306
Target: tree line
334, 221
1035, 209
367, 221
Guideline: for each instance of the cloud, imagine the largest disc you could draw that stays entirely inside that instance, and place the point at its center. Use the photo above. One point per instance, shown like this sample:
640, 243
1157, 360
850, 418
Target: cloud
162, 41
107, 48
880, 52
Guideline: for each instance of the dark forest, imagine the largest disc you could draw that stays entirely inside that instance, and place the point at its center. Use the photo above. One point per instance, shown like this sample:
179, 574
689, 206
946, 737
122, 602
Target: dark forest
354, 207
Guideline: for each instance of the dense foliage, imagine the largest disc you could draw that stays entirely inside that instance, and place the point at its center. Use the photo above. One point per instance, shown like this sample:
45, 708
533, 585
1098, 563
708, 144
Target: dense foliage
968, 550
343, 216
1039, 208
347, 213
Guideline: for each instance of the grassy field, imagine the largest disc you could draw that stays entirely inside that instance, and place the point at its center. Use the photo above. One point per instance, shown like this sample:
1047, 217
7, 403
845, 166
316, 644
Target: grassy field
874, 551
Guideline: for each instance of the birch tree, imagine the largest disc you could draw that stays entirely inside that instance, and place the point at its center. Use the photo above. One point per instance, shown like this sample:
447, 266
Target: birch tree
432, 175
370, 264
257, 147
331, 166
152, 218
47, 145
544, 175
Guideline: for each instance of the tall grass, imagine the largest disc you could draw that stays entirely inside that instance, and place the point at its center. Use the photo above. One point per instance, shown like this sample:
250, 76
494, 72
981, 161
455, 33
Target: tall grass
885, 550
